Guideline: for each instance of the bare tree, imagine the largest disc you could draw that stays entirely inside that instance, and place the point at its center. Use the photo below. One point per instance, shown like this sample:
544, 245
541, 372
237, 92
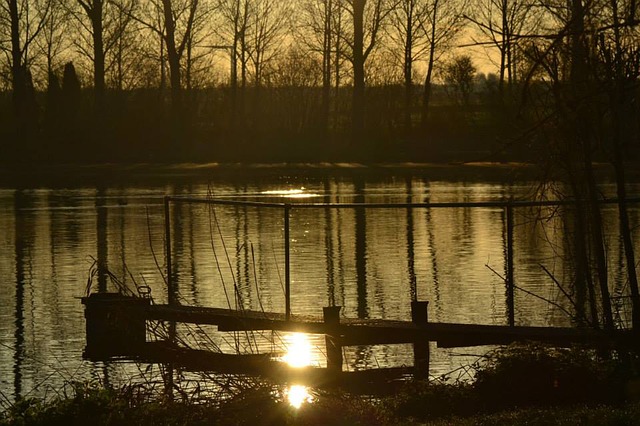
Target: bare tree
119, 51
53, 41
368, 17
620, 56
406, 32
232, 29
583, 60
443, 24
320, 30
424, 30
24, 28
268, 29
173, 21
504, 23
94, 11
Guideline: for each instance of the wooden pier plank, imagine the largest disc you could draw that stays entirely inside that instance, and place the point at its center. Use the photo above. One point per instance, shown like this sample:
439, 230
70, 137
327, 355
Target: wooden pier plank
378, 331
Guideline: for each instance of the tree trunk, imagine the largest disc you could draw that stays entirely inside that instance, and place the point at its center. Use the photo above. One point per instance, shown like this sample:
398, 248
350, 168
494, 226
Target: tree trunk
326, 67
503, 47
426, 95
173, 57
358, 71
620, 119
19, 83
408, 71
580, 86
98, 55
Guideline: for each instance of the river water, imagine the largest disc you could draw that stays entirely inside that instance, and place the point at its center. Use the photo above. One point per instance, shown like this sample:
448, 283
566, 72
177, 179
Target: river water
371, 262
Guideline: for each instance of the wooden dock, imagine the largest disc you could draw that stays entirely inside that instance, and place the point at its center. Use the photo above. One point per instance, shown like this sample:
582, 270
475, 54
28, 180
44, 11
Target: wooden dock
379, 331
117, 324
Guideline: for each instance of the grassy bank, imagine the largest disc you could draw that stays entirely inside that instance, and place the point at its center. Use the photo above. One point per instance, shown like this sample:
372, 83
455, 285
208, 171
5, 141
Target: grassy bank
259, 407
516, 385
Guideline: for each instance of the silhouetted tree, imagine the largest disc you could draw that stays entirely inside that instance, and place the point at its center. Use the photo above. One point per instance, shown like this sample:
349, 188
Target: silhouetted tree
368, 18
423, 30
234, 23
53, 41
320, 30
22, 32
53, 114
579, 125
460, 74
443, 24
504, 23
619, 54
70, 111
407, 32
94, 10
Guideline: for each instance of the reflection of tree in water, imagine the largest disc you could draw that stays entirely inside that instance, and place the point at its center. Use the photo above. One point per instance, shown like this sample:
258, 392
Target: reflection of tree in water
24, 239
434, 262
361, 250
329, 252
193, 288
101, 232
410, 243
243, 242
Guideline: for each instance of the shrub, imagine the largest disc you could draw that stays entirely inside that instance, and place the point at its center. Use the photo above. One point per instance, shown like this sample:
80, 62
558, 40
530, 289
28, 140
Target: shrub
427, 401
534, 375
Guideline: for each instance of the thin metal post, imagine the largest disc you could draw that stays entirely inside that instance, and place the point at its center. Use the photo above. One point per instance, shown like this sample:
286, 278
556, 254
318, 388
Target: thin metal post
167, 239
287, 269
510, 283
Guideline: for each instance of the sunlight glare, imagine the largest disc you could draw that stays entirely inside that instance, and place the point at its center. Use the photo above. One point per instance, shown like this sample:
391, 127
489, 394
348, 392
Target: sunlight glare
298, 350
298, 395
290, 193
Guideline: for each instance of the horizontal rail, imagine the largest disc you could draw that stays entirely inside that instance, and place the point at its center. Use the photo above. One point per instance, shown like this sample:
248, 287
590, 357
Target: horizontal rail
508, 205
473, 204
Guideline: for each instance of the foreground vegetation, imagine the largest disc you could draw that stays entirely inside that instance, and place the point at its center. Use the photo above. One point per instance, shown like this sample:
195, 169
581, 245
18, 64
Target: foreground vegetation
528, 384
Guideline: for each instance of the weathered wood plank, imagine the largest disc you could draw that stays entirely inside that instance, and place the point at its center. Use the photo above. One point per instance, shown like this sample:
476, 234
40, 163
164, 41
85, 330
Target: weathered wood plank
371, 332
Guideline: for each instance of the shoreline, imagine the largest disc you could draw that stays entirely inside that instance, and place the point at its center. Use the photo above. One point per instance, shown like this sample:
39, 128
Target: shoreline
23, 175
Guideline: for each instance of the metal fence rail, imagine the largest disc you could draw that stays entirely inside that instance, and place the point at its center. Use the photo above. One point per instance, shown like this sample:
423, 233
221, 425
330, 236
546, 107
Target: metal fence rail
508, 206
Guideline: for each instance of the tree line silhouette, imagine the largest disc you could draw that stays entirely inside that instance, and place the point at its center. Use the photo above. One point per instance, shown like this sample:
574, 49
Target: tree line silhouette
314, 80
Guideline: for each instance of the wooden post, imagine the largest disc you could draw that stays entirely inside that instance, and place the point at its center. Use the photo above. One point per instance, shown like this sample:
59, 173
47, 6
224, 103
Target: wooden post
287, 269
115, 324
509, 277
421, 355
331, 316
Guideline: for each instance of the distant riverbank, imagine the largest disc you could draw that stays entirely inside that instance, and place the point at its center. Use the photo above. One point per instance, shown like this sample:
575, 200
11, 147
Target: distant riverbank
27, 175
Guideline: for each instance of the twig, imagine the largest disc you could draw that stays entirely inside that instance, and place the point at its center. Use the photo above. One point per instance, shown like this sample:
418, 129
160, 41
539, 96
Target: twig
575, 306
533, 294
546, 300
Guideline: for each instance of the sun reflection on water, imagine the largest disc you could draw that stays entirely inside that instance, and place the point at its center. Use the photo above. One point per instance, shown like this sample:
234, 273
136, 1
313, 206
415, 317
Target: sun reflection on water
299, 353
291, 193
298, 395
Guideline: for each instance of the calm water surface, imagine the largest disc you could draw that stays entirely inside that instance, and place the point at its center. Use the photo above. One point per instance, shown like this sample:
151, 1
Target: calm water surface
373, 263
